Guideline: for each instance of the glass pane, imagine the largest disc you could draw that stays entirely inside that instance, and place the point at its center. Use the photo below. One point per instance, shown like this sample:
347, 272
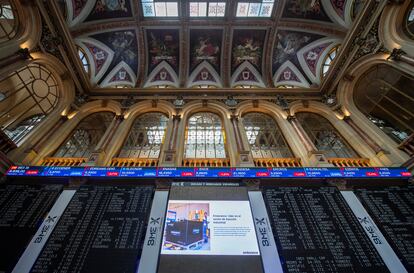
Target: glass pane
254, 9
204, 137
266, 10
172, 9
160, 9
242, 9
148, 9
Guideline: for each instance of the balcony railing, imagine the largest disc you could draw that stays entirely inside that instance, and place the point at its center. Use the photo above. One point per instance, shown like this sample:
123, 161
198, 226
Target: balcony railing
206, 162
408, 145
277, 162
134, 162
63, 161
350, 162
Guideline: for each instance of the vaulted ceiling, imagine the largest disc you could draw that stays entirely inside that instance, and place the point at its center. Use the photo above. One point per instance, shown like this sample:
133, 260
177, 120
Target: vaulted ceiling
288, 48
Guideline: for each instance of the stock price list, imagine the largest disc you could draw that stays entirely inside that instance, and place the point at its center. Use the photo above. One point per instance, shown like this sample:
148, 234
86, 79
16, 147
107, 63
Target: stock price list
316, 231
392, 209
22, 209
101, 230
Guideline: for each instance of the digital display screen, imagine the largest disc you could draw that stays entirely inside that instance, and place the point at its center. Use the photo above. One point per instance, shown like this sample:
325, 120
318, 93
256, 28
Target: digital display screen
209, 228
208, 172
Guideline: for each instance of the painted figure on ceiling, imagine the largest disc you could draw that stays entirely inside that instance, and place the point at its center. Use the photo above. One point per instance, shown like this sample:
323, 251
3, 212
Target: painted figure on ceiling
111, 5
163, 48
302, 7
288, 44
248, 50
206, 50
121, 43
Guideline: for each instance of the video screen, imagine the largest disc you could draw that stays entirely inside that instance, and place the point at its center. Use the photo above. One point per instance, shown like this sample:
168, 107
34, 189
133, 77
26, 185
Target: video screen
209, 228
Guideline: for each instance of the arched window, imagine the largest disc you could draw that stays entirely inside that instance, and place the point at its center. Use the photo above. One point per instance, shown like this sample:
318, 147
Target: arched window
264, 136
17, 133
325, 137
29, 94
86, 136
409, 21
146, 137
328, 60
8, 22
84, 60
205, 136
386, 96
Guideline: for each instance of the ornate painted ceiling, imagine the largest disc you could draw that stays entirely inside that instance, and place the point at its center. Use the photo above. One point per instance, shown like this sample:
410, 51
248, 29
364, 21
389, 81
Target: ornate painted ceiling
125, 48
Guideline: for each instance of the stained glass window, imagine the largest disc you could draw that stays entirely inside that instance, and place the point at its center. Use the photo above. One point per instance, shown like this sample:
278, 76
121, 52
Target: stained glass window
84, 59
8, 22
328, 60
264, 136
146, 137
22, 129
153, 8
34, 93
255, 9
325, 137
205, 136
409, 21
86, 136
207, 9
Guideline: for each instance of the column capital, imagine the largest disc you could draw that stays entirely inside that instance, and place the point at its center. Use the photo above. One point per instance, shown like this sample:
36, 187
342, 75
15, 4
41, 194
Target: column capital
234, 117
176, 117
119, 117
396, 54
291, 118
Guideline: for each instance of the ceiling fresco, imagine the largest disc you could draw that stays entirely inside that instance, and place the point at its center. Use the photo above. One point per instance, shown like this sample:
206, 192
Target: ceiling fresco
126, 49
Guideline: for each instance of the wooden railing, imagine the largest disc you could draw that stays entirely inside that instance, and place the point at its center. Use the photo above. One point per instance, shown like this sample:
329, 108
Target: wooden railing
277, 162
63, 161
134, 162
408, 145
350, 162
206, 162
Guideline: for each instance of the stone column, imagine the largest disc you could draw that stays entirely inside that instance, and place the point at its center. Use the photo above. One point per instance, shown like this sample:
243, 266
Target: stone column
169, 157
371, 143
316, 158
243, 152
99, 154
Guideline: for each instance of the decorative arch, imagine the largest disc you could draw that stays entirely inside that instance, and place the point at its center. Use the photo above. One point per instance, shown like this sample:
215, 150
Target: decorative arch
163, 74
345, 98
214, 107
336, 120
204, 74
134, 112
312, 57
280, 117
74, 118
289, 74
391, 30
247, 74
86, 136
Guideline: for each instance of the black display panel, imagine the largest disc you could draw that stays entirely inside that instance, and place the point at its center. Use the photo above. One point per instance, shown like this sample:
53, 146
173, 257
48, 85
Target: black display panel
392, 209
22, 209
316, 231
101, 230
